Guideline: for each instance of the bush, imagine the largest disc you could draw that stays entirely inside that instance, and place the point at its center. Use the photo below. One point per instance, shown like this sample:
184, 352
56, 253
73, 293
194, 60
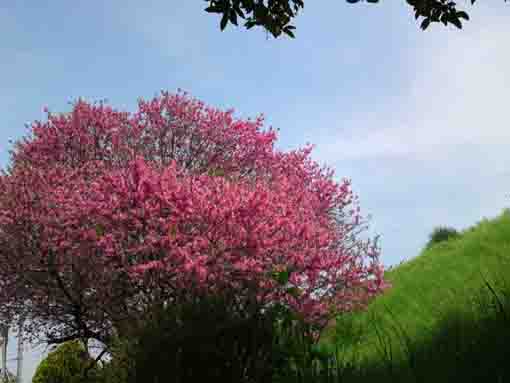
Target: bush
207, 340
441, 234
66, 364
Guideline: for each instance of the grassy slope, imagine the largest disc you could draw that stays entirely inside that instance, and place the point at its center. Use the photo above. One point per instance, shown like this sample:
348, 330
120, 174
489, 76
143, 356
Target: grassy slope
441, 279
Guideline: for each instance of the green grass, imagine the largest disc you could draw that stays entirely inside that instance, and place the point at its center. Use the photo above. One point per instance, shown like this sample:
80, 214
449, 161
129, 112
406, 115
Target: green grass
448, 309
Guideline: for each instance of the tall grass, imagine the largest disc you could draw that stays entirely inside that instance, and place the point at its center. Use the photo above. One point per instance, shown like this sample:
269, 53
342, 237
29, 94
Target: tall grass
447, 318
470, 343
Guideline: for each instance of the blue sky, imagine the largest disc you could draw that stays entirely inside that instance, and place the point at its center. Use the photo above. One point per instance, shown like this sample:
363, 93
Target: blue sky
416, 119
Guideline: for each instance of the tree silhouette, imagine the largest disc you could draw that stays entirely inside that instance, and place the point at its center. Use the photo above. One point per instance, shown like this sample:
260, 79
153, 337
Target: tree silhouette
275, 15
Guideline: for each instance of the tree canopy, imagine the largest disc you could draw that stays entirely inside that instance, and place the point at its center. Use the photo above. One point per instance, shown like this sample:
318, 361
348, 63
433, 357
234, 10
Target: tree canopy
275, 16
104, 214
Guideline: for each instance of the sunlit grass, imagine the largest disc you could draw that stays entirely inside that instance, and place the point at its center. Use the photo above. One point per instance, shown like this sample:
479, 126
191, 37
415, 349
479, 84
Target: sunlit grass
446, 319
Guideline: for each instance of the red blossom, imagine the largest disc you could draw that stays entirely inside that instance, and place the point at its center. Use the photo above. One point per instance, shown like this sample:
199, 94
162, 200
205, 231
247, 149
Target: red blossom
101, 209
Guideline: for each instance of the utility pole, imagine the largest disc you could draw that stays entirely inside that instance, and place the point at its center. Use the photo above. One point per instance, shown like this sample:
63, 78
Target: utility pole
4, 336
19, 363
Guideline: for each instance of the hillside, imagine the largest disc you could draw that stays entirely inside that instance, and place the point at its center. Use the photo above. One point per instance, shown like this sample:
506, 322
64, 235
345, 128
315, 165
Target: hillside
442, 279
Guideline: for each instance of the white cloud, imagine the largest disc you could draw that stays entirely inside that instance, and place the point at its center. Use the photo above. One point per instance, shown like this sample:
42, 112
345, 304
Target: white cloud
455, 105
437, 151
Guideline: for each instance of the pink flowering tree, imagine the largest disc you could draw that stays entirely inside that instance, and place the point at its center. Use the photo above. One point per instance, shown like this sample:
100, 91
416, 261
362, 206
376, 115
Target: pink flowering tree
103, 213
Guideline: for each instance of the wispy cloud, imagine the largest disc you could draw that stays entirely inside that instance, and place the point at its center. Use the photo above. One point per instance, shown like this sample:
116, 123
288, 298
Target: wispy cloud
434, 150
454, 107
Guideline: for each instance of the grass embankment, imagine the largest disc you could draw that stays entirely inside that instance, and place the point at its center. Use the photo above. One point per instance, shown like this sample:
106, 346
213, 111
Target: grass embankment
446, 317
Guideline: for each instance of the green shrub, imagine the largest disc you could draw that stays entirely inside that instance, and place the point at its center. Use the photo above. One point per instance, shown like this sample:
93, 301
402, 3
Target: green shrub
66, 364
208, 340
441, 234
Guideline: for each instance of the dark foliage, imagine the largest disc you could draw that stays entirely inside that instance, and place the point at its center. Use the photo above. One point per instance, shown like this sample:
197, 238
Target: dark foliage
275, 15
205, 340
441, 234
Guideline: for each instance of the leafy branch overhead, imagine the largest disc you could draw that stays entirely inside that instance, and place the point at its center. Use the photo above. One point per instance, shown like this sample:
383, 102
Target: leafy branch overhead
275, 16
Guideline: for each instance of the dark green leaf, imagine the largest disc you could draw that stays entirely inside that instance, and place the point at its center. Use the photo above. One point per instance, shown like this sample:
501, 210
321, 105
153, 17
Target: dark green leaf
294, 291
436, 14
425, 24
224, 21
233, 18
462, 15
99, 230
444, 18
288, 31
213, 9
455, 21
250, 24
282, 277
238, 10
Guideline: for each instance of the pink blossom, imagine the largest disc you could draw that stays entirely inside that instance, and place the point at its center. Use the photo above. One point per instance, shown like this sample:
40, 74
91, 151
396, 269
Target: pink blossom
137, 192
